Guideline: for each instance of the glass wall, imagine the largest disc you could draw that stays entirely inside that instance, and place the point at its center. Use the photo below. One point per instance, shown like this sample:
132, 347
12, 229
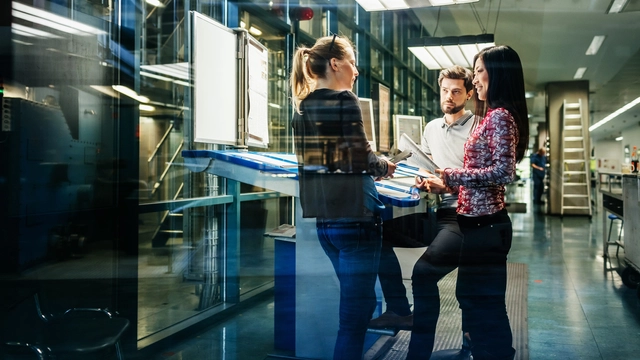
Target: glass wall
102, 210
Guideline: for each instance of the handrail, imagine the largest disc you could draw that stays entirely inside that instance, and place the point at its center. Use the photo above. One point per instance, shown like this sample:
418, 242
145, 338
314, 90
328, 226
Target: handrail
172, 33
160, 143
166, 170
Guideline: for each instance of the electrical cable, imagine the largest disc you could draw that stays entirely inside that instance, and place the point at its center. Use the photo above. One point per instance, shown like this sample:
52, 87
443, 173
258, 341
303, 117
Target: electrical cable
497, 14
437, 21
477, 16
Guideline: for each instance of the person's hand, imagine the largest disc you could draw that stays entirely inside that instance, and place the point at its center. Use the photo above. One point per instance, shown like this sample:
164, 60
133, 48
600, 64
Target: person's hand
435, 185
391, 168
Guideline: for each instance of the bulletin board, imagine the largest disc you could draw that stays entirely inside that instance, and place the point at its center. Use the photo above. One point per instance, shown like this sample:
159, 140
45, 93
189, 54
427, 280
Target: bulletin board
215, 73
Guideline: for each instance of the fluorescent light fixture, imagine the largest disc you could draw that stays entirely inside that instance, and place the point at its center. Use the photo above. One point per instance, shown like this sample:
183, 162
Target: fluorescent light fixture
27, 31
617, 6
130, 93
255, 31
147, 74
380, 5
180, 82
614, 114
595, 44
579, 73
21, 43
53, 21
619, 138
529, 94
155, 3
177, 70
107, 90
450, 2
439, 53
274, 105
144, 107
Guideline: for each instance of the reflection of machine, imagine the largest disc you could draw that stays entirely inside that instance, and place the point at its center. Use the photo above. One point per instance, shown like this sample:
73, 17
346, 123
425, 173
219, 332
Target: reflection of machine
67, 241
47, 180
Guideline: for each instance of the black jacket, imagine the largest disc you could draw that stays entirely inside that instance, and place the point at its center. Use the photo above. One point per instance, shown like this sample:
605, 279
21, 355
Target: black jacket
334, 157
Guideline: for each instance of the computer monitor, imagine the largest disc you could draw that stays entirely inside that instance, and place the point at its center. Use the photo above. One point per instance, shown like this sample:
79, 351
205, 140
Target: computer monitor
366, 106
381, 96
407, 124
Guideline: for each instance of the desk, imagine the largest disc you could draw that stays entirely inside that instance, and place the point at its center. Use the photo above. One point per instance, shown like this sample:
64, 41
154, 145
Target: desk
631, 209
623, 200
307, 320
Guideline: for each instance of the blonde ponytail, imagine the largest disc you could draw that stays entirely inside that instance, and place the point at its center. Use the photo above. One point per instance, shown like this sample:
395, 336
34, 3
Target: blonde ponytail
301, 83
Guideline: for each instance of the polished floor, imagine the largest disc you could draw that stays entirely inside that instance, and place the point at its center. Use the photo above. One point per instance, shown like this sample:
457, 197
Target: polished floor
578, 308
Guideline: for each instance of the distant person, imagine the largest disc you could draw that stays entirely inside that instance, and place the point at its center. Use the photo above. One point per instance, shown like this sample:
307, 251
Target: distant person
336, 170
497, 143
538, 164
443, 140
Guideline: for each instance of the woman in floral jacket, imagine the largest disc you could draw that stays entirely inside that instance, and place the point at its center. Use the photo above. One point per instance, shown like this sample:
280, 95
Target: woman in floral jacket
497, 143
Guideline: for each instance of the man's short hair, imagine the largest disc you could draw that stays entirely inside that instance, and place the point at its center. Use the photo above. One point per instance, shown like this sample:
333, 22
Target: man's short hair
457, 72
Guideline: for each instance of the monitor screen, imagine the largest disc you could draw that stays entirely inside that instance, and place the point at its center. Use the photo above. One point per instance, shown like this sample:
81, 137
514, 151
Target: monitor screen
407, 124
384, 118
366, 106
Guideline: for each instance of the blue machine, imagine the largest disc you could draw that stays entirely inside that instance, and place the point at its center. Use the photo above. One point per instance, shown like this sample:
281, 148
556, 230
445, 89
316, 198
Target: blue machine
306, 289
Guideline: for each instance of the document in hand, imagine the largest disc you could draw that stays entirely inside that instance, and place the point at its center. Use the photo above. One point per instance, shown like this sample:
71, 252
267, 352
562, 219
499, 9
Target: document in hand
419, 158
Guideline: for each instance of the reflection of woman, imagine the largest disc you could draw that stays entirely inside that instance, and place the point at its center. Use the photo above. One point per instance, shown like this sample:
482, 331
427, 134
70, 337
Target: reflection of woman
336, 187
491, 153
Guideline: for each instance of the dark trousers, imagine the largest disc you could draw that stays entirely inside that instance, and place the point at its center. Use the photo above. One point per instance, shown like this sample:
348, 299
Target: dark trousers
538, 189
354, 251
440, 258
482, 282
406, 232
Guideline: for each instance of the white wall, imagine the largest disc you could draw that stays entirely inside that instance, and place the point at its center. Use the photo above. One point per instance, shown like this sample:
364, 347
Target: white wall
631, 137
613, 151
608, 154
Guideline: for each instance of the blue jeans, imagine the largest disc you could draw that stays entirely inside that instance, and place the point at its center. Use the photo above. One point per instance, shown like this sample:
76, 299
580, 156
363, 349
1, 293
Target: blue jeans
482, 282
354, 251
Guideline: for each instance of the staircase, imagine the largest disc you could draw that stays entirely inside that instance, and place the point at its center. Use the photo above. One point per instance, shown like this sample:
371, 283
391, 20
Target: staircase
575, 188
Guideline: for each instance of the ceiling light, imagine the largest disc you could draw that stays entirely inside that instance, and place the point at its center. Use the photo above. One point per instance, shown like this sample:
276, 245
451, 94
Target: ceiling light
155, 3
619, 138
595, 44
53, 21
255, 31
130, 93
26, 31
579, 73
617, 6
439, 53
614, 114
147, 74
144, 107
450, 2
177, 70
380, 5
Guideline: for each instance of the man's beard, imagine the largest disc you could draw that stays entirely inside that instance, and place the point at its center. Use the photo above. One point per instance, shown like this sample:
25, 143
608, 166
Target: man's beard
453, 110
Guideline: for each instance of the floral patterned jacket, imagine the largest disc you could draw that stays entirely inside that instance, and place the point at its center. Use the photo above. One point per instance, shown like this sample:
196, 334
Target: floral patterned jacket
489, 164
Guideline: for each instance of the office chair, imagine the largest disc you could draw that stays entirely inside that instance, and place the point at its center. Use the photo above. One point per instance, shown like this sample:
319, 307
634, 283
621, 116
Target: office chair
78, 332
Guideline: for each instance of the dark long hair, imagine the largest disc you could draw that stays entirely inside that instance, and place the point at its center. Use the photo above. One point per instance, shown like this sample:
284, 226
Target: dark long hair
506, 90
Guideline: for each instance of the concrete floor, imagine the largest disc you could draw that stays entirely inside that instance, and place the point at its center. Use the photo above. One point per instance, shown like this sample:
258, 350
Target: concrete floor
576, 308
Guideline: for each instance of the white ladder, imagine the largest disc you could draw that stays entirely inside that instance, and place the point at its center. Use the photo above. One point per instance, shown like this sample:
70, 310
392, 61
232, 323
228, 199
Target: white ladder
576, 180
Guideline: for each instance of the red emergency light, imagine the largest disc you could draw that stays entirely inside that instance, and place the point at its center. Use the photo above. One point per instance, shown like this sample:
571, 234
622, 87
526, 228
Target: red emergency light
301, 13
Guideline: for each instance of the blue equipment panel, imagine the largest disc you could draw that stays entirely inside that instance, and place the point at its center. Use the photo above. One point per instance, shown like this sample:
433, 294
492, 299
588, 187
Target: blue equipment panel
268, 169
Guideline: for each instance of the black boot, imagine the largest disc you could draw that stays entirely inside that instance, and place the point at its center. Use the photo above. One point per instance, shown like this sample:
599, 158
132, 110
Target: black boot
455, 354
